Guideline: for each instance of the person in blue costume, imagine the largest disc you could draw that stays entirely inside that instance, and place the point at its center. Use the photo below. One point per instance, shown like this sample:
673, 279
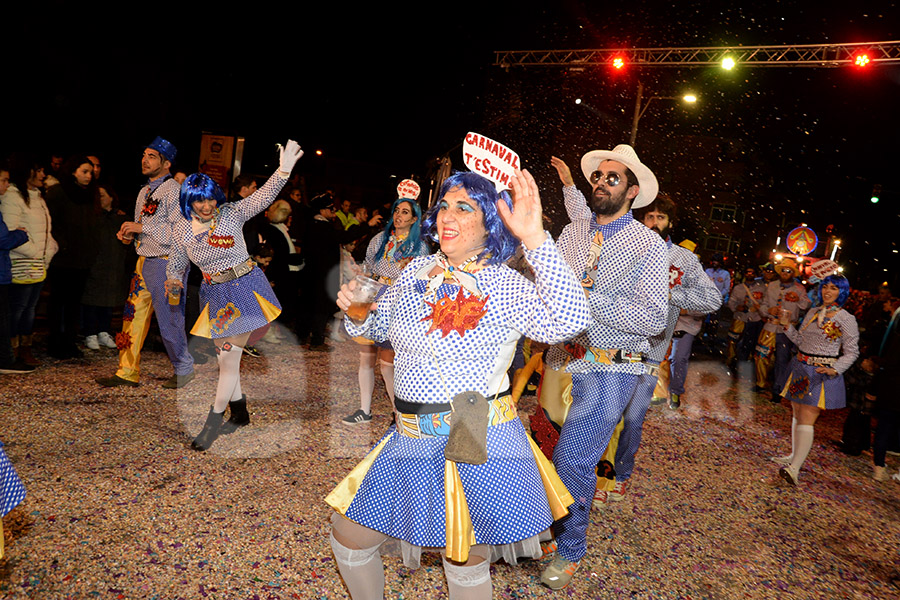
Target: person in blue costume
235, 296
386, 256
12, 492
828, 342
454, 318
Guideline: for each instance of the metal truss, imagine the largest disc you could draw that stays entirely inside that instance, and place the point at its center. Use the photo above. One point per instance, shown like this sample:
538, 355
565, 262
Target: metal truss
808, 55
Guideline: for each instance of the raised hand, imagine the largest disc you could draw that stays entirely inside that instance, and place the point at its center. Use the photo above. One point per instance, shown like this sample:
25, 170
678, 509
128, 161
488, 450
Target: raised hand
525, 219
565, 174
289, 155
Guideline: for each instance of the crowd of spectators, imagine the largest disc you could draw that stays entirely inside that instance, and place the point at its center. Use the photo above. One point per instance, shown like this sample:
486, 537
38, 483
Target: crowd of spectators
71, 272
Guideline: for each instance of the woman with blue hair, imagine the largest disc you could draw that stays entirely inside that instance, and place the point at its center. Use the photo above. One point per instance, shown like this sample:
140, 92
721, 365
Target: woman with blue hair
828, 346
387, 254
474, 486
235, 295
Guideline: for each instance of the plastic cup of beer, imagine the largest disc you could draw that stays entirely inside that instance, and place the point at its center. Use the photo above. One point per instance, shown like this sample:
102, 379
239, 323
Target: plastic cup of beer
784, 316
174, 295
127, 237
361, 297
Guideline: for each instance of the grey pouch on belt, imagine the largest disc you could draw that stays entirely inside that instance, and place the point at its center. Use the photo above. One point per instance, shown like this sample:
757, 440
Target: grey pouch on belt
467, 442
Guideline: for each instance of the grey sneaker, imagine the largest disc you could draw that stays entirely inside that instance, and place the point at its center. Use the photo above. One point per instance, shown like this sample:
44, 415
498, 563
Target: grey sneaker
559, 573
357, 418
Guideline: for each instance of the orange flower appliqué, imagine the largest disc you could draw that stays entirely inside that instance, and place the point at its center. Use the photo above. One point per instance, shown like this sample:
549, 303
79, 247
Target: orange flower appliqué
123, 340
458, 314
832, 330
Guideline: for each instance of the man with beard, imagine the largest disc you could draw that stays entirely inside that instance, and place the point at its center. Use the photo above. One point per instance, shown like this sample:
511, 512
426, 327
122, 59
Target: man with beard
156, 210
689, 289
623, 268
787, 294
721, 278
744, 303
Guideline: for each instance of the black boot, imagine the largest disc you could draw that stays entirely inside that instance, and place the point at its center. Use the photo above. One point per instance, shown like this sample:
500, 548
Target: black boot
211, 430
239, 415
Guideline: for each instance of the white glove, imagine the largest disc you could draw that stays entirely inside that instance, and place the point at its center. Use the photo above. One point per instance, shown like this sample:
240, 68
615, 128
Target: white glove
289, 155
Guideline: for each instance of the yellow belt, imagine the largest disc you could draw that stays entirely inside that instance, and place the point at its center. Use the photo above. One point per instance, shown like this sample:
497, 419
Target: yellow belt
501, 410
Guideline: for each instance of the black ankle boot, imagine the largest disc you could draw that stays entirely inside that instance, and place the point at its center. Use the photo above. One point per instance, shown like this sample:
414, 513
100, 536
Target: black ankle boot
239, 415
211, 430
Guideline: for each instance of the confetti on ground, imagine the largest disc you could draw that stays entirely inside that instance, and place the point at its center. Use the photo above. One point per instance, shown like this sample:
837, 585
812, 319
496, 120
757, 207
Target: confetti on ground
118, 505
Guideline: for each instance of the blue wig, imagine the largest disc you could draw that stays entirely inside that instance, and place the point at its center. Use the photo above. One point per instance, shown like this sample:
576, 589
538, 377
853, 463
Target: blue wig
196, 188
842, 284
412, 245
500, 244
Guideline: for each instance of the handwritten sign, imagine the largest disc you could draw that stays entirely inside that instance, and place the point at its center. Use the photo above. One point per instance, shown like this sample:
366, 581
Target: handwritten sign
492, 159
408, 189
802, 241
823, 268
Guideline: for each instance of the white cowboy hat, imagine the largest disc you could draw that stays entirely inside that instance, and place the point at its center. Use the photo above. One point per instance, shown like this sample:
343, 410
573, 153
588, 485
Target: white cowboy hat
626, 155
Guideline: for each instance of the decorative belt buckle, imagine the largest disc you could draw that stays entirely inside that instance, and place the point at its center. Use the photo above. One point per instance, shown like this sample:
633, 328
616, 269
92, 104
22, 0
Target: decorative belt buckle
630, 357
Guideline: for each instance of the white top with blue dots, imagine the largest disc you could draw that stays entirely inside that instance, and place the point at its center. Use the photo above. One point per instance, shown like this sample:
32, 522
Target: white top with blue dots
224, 247
629, 299
155, 238
386, 269
433, 367
689, 286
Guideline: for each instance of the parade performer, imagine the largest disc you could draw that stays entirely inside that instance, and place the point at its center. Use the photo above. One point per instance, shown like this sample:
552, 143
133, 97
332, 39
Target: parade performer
388, 253
155, 213
721, 278
689, 289
12, 492
745, 301
453, 318
235, 295
773, 346
828, 343
624, 271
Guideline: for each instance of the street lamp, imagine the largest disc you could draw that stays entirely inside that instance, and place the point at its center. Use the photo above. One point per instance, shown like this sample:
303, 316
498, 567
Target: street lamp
640, 110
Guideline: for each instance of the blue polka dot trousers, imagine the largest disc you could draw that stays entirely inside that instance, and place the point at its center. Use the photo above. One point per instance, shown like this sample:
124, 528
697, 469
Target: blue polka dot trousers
598, 402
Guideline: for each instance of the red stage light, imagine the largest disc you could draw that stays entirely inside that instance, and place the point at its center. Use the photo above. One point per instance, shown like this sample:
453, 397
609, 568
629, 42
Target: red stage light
618, 62
862, 60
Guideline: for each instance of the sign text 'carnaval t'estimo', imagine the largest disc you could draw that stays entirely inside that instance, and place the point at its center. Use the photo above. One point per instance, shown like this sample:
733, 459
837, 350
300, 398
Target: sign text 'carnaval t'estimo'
823, 268
492, 159
408, 189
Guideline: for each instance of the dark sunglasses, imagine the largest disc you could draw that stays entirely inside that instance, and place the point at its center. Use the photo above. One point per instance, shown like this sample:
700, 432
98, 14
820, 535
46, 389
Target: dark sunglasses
611, 179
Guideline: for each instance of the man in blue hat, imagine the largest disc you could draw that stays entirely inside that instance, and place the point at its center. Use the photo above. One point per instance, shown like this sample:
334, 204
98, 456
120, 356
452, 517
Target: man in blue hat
156, 210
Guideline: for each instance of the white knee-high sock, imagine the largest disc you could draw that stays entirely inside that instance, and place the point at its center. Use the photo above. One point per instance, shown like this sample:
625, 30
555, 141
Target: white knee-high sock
366, 380
790, 456
387, 372
229, 385
362, 570
802, 446
468, 583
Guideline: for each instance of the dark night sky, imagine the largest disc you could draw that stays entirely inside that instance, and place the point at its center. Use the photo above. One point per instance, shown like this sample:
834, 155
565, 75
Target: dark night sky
395, 87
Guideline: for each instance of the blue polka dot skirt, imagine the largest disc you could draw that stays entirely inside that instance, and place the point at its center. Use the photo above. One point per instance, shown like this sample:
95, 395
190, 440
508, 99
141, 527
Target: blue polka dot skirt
238, 306
11, 489
805, 386
402, 493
